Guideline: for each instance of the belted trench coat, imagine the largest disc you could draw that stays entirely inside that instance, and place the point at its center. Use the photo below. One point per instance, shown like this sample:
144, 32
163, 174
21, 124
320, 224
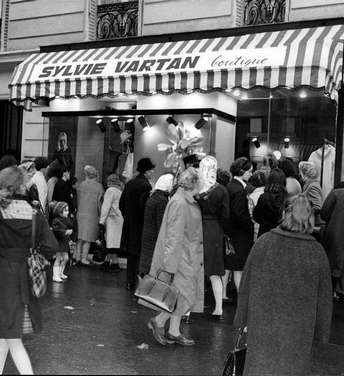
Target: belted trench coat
179, 250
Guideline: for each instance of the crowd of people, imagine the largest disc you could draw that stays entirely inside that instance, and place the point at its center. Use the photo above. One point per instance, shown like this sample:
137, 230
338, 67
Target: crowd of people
267, 230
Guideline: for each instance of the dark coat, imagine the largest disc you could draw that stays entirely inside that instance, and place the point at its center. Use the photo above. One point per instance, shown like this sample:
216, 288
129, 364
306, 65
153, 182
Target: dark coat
269, 210
215, 212
63, 192
332, 213
132, 205
15, 241
285, 300
239, 227
60, 225
64, 157
154, 213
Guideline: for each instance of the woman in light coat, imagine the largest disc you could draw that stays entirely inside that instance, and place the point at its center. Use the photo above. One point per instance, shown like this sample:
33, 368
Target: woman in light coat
111, 216
90, 194
179, 252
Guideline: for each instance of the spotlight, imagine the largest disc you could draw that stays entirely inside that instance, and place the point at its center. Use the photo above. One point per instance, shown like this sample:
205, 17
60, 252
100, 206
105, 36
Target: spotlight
101, 125
114, 123
144, 124
130, 120
172, 120
286, 142
256, 142
200, 123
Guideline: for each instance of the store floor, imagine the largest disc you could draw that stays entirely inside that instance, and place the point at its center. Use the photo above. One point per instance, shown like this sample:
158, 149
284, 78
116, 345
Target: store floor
92, 325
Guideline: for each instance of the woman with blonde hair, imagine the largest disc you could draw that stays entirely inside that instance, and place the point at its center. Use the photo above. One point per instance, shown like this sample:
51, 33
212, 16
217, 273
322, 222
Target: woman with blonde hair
179, 254
285, 296
89, 199
19, 309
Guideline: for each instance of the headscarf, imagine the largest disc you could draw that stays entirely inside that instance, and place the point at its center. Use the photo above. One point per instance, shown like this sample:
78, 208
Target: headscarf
207, 173
113, 181
164, 183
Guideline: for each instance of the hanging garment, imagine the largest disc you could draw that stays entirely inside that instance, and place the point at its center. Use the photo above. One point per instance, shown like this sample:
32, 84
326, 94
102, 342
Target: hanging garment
129, 167
328, 167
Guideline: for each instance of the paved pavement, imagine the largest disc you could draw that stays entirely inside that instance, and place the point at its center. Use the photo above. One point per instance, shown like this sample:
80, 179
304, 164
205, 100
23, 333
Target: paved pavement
92, 325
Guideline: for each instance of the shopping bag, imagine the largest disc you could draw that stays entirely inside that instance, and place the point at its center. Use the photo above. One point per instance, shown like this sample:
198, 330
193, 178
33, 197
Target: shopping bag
157, 292
37, 264
235, 361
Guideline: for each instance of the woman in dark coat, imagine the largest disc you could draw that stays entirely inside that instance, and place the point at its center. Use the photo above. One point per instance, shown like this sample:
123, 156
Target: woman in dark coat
285, 296
154, 213
240, 225
15, 293
332, 213
214, 203
131, 205
269, 209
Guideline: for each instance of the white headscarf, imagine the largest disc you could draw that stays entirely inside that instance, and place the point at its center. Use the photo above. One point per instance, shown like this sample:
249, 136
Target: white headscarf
207, 173
164, 183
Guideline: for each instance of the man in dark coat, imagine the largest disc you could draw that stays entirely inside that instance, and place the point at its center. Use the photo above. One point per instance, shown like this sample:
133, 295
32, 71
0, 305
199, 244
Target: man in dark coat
131, 205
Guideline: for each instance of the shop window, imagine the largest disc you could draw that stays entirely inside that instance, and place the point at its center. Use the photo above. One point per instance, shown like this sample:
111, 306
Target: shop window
305, 122
117, 19
257, 12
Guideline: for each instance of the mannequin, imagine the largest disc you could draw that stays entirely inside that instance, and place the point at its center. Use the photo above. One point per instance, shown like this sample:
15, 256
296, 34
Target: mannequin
328, 153
214, 203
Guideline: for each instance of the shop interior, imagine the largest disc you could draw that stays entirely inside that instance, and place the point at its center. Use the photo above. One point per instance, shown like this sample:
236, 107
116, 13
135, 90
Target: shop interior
290, 123
285, 122
114, 140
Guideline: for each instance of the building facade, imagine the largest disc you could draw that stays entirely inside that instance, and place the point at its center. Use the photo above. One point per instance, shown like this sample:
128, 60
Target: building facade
27, 25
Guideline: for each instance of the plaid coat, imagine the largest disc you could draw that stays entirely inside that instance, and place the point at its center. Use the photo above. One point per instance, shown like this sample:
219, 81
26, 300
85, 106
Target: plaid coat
15, 241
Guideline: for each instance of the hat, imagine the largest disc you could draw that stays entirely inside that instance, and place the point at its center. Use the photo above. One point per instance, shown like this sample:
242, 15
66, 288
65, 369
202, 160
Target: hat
113, 181
164, 183
192, 160
144, 164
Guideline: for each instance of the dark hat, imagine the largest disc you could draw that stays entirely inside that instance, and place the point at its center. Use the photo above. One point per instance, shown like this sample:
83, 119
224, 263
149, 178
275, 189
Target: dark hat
192, 159
144, 164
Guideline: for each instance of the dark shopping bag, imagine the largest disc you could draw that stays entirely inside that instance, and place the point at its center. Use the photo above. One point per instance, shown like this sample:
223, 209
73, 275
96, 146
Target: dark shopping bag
235, 362
157, 292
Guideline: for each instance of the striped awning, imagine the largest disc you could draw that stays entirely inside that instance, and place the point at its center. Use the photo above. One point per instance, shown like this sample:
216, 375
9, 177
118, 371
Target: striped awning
287, 58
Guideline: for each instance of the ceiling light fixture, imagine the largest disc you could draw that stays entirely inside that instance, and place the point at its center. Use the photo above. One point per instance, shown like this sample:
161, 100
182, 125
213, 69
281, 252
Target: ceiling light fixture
256, 142
200, 123
144, 124
303, 94
172, 120
101, 125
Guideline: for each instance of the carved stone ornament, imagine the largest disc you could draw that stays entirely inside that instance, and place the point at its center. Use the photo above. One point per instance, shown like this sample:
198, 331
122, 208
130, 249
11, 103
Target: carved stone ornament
264, 11
117, 20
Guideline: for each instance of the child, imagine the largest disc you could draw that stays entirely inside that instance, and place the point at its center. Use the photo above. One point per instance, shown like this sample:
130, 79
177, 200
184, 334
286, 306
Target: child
62, 228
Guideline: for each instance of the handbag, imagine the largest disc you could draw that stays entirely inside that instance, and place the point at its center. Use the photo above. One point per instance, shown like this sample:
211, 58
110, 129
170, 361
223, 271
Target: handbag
37, 264
229, 249
157, 292
235, 361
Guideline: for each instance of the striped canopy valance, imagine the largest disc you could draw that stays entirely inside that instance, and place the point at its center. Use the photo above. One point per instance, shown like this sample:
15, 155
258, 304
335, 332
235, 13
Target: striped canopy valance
287, 58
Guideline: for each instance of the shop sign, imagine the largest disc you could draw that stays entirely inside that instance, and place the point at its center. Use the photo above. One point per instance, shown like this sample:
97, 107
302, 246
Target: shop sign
214, 61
